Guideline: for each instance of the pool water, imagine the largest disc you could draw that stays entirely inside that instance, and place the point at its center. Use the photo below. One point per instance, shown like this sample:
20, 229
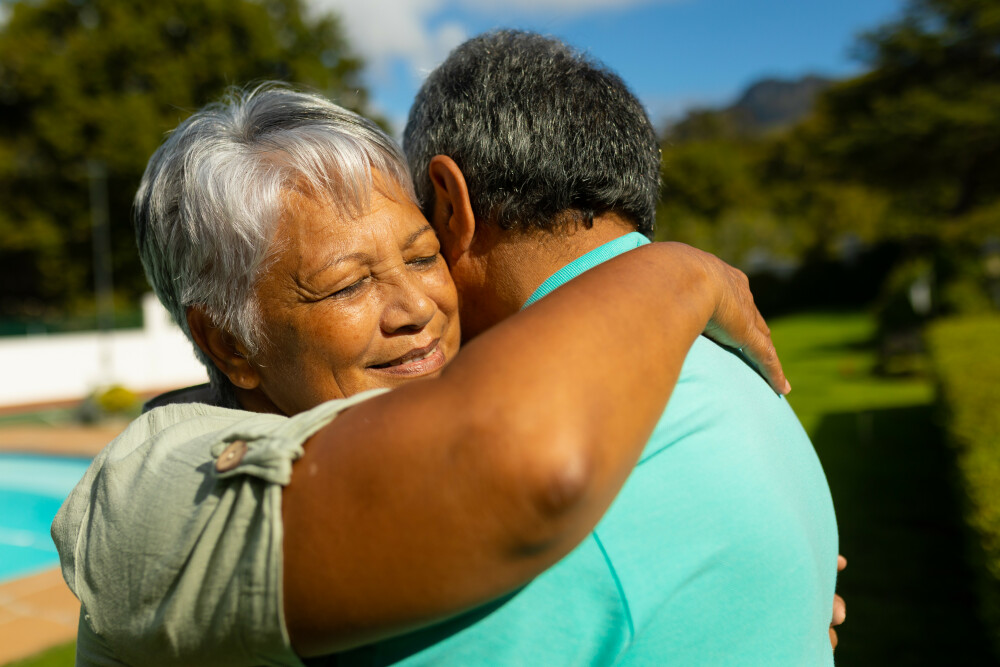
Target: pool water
32, 488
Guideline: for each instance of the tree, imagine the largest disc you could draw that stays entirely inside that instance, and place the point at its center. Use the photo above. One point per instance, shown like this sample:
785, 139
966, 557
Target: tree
710, 196
924, 123
758, 198
923, 126
104, 80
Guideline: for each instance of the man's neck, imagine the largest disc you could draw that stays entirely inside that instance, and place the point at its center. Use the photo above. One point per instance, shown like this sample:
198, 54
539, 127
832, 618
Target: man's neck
523, 261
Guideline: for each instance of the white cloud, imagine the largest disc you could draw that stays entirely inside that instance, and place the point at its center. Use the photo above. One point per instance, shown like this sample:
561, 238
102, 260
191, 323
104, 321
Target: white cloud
384, 30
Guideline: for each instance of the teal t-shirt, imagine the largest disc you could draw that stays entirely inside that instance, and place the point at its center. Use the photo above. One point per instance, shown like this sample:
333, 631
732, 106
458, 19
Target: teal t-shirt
720, 549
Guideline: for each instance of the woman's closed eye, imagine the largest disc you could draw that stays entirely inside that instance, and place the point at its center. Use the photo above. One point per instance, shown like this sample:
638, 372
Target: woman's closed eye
424, 262
419, 263
351, 289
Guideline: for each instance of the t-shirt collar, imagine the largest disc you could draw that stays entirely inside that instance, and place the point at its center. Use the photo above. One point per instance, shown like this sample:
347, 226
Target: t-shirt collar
586, 262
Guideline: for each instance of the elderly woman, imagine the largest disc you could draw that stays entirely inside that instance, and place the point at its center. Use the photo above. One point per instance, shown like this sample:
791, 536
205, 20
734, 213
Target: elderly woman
280, 231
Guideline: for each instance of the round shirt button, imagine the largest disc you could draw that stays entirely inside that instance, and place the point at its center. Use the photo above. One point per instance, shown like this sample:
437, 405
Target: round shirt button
231, 456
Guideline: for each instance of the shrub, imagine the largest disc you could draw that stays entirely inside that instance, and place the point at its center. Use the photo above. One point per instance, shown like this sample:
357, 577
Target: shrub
116, 399
967, 367
113, 401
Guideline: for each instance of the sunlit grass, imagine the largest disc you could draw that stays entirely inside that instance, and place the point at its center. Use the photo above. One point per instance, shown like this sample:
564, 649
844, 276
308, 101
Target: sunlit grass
830, 360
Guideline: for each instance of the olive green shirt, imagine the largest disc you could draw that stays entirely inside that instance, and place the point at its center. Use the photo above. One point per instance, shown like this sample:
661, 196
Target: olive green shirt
175, 562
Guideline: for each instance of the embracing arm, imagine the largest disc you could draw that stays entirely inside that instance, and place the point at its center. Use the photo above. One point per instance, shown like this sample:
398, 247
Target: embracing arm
443, 494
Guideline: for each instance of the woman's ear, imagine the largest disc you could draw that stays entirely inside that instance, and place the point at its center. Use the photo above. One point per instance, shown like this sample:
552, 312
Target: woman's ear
222, 348
452, 217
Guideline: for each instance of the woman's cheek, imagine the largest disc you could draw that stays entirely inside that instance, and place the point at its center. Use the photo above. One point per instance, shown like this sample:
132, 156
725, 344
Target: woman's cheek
444, 290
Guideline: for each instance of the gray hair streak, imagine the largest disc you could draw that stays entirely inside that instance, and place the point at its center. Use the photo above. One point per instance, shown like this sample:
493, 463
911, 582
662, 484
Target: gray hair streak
211, 197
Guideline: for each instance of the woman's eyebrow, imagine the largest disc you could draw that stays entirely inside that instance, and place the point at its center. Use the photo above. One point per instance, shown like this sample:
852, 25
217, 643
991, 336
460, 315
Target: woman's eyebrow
340, 259
416, 235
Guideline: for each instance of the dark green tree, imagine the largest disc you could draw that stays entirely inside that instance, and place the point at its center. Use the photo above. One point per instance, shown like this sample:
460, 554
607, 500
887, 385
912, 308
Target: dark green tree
104, 80
756, 198
924, 123
710, 194
923, 127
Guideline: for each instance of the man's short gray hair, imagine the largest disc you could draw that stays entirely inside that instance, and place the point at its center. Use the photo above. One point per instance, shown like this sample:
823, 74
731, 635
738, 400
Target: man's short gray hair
208, 204
538, 130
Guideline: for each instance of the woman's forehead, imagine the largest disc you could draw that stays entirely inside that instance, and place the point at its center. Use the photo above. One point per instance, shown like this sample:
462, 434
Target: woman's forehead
320, 234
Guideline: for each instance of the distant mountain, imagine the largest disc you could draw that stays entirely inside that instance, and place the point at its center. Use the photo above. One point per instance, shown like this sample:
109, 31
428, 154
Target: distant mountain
768, 104
773, 103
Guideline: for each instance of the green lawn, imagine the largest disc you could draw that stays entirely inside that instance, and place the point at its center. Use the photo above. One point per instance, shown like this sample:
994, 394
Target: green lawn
909, 590
60, 656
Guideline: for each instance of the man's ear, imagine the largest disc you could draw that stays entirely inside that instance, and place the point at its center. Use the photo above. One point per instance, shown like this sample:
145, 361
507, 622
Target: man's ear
452, 218
222, 348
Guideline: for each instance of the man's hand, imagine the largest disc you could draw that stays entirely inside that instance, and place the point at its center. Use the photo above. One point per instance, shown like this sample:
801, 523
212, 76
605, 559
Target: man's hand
736, 322
839, 607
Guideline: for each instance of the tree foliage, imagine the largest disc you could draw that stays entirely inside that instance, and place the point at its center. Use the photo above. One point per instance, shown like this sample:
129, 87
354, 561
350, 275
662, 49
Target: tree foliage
924, 123
104, 80
907, 154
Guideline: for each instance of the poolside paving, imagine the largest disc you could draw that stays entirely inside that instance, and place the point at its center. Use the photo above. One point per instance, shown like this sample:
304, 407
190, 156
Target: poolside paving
70, 440
39, 611
36, 612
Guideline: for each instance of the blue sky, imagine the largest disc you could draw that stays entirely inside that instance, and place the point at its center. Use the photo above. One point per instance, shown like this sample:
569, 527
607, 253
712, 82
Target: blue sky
675, 54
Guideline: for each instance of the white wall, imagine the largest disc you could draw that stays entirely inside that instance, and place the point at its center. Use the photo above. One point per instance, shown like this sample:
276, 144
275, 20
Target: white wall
54, 367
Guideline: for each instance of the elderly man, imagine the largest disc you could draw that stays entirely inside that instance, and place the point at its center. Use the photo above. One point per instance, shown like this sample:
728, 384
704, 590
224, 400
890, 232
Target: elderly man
535, 164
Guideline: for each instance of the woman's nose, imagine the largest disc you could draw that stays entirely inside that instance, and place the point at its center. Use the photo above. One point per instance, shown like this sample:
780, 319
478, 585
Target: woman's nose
408, 306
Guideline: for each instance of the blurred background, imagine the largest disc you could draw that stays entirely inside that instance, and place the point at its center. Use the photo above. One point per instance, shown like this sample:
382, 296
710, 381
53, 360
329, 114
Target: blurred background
845, 154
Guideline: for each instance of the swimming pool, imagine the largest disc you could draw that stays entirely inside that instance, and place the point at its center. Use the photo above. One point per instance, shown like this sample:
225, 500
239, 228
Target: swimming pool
32, 488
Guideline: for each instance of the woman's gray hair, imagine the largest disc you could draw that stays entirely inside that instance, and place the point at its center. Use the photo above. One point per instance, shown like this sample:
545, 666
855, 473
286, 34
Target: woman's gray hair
208, 204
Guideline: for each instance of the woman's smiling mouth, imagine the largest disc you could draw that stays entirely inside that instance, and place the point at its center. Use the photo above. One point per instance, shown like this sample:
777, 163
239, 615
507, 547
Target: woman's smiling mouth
418, 361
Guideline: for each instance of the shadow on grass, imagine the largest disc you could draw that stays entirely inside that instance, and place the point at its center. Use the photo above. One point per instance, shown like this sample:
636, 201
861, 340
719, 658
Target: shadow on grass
909, 589
863, 345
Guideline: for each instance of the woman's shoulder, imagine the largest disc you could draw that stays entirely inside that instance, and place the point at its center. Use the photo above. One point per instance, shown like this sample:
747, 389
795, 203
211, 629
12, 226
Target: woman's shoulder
142, 472
152, 533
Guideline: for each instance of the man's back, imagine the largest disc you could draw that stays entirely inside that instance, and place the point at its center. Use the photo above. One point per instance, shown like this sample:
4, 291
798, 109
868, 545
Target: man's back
720, 549
721, 546
724, 539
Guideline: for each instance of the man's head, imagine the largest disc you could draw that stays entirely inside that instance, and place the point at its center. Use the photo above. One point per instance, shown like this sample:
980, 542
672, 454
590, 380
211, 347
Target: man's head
537, 129
545, 138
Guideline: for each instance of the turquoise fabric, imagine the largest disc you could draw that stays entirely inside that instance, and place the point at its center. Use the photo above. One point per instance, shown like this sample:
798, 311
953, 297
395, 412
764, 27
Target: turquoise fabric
587, 262
720, 549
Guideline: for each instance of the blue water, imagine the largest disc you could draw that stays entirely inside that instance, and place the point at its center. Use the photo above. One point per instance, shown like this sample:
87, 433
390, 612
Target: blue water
32, 488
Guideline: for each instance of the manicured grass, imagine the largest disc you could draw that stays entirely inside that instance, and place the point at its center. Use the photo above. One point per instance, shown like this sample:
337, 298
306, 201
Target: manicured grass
830, 359
910, 593
59, 656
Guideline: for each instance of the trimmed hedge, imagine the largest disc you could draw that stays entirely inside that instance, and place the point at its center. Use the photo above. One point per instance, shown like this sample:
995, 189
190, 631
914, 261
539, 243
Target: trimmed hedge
966, 358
